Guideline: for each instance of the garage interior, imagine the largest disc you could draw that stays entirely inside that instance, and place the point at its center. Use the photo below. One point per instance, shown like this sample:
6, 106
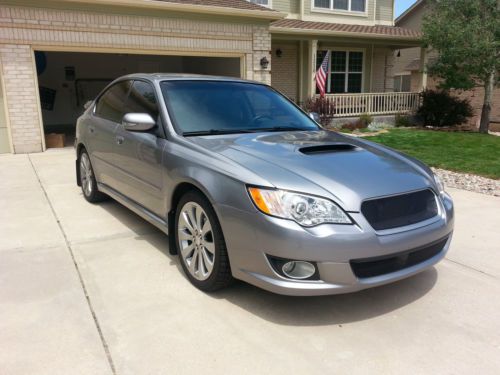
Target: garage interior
67, 80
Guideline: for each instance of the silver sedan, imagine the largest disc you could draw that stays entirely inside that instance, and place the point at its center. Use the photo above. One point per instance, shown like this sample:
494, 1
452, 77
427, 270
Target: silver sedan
248, 186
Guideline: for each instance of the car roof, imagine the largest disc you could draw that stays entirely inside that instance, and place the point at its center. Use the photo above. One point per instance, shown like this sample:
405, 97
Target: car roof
184, 77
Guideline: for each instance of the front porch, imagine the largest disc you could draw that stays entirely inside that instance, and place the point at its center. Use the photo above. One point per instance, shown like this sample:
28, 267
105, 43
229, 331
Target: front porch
360, 77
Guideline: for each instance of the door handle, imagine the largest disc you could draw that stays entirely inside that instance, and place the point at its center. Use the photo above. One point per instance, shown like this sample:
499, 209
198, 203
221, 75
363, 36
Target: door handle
91, 129
119, 139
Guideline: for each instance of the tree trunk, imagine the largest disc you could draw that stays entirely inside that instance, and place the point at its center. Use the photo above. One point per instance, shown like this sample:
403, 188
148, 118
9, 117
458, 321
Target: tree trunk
485, 112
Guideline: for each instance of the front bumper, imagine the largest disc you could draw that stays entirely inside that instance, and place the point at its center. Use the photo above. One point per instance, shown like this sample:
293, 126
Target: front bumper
251, 235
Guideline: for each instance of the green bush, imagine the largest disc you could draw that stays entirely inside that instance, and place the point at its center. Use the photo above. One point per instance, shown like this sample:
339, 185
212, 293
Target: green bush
440, 109
402, 121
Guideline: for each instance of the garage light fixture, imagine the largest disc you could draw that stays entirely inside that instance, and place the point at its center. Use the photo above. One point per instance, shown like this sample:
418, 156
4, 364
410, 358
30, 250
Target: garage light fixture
264, 62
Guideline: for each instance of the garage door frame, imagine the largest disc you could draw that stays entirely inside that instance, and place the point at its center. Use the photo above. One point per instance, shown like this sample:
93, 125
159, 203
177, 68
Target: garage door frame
131, 51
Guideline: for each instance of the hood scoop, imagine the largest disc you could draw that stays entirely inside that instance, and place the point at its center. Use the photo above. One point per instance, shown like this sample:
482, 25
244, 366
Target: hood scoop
327, 149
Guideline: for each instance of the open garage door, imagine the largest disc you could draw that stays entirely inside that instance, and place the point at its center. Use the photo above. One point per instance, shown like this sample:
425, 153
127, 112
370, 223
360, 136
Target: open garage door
67, 80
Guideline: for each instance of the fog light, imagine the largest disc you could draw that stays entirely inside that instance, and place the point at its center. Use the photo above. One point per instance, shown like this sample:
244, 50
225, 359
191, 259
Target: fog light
298, 269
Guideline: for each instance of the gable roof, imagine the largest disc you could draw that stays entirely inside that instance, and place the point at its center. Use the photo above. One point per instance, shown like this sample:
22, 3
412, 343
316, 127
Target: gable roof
377, 31
409, 11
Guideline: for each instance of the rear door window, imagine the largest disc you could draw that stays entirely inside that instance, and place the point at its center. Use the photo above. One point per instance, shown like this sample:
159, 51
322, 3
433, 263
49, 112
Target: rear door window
111, 105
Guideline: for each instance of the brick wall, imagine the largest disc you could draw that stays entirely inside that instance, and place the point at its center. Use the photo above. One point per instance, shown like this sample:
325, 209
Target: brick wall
23, 27
284, 76
475, 96
22, 97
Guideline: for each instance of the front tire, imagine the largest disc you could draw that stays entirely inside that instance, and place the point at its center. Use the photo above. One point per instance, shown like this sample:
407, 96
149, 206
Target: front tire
87, 179
200, 243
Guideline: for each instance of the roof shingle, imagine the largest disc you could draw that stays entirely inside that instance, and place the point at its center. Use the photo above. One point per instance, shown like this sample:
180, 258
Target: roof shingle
381, 30
235, 4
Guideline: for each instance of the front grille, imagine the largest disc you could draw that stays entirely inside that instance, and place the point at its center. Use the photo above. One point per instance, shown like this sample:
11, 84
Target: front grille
371, 267
400, 210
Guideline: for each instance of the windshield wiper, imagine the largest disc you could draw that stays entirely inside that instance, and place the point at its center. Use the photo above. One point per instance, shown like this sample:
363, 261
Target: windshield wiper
278, 129
214, 132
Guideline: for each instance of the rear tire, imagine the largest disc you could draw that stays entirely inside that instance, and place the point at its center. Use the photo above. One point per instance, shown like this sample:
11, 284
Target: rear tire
87, 179
200, 243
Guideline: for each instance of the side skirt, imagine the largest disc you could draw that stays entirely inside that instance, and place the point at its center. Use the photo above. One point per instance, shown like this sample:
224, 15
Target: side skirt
136, 208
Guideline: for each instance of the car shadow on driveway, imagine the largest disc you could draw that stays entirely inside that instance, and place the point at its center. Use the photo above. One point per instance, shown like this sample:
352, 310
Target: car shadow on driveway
332, 309
301, 311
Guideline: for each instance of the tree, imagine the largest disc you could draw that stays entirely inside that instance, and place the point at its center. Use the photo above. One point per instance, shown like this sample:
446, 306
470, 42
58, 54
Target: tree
466, 36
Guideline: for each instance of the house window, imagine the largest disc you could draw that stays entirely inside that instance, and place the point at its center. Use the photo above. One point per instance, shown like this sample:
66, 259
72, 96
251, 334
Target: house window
342, 5
402, 83
266, 3
345, 71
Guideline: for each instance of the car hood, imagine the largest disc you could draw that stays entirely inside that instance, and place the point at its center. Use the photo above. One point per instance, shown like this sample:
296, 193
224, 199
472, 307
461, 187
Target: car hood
323, 163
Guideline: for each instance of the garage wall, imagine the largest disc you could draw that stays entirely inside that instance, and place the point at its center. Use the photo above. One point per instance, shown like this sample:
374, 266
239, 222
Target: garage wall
23, 29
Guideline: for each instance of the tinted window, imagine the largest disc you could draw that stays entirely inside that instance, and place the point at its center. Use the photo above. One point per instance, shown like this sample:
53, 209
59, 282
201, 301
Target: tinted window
142, 99
230, 106
111, 104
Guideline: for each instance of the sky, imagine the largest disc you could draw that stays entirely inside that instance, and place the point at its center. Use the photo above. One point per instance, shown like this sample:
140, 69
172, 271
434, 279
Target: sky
402, 5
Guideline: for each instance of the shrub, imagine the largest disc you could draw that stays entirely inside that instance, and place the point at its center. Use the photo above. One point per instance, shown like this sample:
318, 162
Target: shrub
439, 108
324, 107
402, 121
366, 119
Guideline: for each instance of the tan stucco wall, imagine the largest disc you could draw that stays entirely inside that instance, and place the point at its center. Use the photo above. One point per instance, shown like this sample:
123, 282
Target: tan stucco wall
23, 29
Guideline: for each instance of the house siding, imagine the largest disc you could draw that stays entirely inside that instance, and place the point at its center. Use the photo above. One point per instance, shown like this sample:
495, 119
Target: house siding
381, 12
21, 28
288, 6
382, 70
385, 10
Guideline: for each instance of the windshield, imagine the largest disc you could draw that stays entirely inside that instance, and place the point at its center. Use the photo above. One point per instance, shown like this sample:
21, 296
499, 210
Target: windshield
218, 107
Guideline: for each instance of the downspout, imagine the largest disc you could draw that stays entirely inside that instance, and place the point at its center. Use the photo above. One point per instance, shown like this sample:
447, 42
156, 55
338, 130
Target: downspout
375, 11
301, 9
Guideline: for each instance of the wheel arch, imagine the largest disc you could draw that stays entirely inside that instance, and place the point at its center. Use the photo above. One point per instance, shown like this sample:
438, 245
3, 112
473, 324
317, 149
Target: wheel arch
180, 189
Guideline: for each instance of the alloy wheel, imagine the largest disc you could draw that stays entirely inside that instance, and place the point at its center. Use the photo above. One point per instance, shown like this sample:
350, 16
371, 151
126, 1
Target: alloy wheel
86, 174
196, 241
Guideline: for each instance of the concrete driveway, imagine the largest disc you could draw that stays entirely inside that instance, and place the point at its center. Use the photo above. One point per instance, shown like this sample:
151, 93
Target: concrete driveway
91, 289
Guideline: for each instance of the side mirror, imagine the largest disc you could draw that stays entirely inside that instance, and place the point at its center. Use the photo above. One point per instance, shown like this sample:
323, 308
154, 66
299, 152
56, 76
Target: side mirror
315, 116
138, 122
87, 104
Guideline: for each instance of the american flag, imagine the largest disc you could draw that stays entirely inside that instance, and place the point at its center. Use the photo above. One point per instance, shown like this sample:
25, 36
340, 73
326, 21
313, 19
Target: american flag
321, 75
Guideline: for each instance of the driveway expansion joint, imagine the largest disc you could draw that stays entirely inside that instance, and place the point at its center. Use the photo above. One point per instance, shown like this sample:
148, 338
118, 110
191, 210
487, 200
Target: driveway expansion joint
80, 277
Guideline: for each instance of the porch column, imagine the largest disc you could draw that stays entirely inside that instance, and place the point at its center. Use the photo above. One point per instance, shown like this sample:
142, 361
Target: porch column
423, 69
311, 63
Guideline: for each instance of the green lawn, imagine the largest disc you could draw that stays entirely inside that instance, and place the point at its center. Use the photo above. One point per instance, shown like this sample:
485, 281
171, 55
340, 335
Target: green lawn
462, 152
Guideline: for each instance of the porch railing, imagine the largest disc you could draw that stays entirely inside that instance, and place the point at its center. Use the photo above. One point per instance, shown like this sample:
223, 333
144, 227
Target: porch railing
384, 103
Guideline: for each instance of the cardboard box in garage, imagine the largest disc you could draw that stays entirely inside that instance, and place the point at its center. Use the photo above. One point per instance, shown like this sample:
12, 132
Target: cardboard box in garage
54, 140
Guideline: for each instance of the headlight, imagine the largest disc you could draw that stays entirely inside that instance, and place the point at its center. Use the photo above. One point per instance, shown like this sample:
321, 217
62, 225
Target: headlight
439, 184
304, 209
